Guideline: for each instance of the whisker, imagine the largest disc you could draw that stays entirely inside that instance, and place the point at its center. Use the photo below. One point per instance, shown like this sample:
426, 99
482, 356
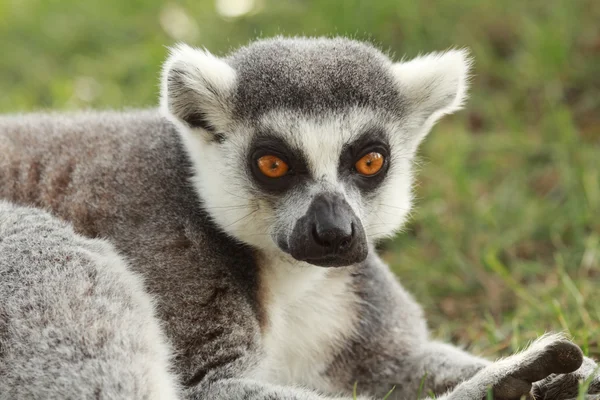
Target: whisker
255, 234
399, 208
378, 225
234, 207
379, 233
389, 213
240, 219
235, 195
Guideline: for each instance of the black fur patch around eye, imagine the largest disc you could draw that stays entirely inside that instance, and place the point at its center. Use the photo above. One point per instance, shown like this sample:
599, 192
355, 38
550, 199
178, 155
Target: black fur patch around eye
269, 144
373, 140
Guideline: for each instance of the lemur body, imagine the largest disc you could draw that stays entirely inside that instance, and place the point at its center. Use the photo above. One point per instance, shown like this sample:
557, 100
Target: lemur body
223, 305
266, 287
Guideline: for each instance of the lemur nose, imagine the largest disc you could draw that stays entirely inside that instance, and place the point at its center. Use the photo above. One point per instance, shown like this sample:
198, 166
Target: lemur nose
329, 234
333, 223
334, 236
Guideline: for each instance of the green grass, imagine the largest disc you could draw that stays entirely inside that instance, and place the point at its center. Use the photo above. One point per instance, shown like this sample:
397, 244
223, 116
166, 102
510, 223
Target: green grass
505, 239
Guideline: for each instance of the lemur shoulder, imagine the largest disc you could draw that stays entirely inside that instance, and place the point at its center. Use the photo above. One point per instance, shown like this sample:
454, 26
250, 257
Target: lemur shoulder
249, 204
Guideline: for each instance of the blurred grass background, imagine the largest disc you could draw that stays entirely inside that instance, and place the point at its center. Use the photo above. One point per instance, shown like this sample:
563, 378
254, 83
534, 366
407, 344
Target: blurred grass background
505, 239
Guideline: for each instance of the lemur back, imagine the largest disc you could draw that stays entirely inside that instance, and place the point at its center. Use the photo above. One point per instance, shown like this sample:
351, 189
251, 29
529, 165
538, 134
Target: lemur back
125, 177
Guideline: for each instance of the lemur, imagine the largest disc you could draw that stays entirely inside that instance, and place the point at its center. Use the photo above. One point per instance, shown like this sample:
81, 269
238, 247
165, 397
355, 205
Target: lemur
242, 217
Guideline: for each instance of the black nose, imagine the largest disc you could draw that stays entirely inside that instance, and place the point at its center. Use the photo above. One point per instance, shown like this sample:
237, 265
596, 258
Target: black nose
329, 235
337, 237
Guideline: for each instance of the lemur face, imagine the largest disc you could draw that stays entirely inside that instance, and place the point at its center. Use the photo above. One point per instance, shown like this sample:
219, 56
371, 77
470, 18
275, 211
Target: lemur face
304, 146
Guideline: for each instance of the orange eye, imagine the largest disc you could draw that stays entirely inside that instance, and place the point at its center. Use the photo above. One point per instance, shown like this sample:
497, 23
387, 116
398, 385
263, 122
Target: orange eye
370, 164
272, 166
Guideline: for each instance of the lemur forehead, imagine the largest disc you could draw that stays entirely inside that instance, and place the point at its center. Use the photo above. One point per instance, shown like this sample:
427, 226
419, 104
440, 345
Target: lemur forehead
313, 76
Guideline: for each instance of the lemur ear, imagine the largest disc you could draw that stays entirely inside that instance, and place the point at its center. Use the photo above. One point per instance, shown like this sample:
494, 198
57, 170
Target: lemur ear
435, 84
196, 88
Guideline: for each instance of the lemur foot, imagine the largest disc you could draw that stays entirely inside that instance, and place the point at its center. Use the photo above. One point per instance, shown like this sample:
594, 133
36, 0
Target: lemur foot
566, 386
512, 378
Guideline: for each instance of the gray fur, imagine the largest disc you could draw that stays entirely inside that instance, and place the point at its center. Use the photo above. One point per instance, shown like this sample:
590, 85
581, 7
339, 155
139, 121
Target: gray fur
75, 322
312, 75
125, 177
227, 298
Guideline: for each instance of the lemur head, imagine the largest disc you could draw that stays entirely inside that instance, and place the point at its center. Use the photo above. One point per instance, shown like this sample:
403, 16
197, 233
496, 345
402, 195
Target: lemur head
304, 146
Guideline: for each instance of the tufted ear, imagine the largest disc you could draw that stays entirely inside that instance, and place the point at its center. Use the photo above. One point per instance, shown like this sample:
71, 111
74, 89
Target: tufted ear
434, 85
196, 89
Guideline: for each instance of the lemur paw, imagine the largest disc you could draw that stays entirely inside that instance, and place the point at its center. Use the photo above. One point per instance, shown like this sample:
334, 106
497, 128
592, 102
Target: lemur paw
512, 378
548, 356
559, 387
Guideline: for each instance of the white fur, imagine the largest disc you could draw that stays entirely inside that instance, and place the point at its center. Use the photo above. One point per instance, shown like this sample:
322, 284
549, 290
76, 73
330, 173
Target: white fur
311, 313
229, 197
435, 84
210, 79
